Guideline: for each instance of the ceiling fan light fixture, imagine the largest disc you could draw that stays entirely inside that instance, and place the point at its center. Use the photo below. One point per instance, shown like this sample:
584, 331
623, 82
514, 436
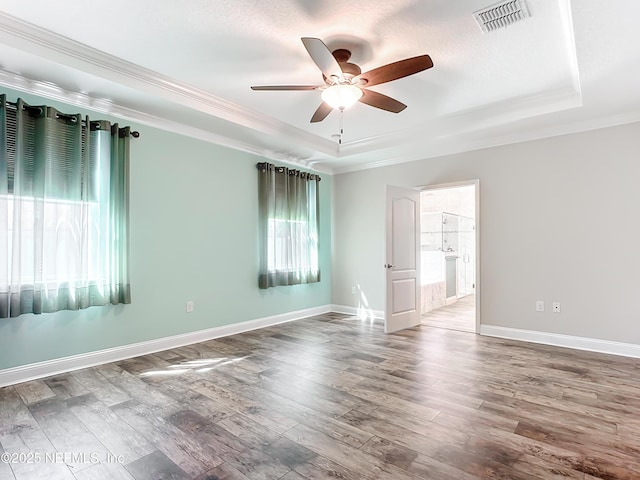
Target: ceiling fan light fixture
341, 96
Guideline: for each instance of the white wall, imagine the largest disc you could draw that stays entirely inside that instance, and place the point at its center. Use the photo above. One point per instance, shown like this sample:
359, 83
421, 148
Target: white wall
559, 221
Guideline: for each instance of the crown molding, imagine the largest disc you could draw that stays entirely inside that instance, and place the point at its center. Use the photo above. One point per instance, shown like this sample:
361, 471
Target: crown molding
570, 42
107, 107
44, 43
476, 119
434, 151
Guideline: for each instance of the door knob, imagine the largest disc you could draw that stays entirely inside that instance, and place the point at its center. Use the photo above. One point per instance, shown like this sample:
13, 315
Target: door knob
388, 265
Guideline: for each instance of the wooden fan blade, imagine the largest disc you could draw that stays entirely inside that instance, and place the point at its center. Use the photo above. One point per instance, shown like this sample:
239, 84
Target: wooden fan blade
322, 57
285, 87
321, 113
395, 70
381, 101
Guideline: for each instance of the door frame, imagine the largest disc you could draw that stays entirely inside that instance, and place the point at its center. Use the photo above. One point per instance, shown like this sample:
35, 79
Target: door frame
476, 184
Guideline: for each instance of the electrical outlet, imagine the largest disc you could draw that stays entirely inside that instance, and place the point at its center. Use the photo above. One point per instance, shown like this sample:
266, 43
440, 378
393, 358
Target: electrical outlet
353, 290
540, 306
556, 307
189, 306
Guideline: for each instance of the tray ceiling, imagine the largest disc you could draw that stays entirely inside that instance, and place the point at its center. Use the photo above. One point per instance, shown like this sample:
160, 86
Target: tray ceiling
567, 67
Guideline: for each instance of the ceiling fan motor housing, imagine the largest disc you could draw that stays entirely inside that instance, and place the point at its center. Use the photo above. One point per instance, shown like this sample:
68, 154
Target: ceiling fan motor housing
349, 70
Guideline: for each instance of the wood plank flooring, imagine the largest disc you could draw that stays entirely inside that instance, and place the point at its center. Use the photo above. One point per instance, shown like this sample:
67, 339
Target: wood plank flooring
457, 316
331, 397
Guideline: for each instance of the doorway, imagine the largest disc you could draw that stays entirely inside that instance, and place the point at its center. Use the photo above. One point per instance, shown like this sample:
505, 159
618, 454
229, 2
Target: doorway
449, 252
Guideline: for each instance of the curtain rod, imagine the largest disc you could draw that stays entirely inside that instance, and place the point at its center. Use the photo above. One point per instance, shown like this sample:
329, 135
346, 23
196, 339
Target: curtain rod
133, 133
264, 165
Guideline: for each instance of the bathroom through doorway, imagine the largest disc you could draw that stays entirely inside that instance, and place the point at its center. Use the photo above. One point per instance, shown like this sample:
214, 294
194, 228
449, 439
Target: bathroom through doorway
449, 248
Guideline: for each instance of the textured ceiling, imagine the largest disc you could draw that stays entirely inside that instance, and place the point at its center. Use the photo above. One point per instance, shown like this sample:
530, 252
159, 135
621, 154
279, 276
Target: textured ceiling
570, 66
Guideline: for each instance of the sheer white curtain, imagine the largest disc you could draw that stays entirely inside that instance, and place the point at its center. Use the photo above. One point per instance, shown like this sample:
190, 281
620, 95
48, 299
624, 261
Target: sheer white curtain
288, 226
63, 211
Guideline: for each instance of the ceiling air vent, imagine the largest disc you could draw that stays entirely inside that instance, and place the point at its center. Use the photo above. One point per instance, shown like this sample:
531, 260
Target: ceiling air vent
501, 15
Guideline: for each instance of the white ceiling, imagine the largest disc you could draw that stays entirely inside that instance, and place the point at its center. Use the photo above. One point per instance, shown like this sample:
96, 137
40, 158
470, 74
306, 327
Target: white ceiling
570, 66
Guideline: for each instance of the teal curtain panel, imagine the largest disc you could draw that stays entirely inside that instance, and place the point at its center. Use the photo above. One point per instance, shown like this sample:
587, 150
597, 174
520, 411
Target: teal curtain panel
64, 211
288, 226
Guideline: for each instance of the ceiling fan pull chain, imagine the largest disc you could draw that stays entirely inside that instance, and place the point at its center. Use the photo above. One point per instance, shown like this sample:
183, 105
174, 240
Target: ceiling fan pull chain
341, 126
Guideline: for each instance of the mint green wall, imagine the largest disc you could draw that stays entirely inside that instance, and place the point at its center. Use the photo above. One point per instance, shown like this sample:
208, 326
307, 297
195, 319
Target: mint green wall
193, 237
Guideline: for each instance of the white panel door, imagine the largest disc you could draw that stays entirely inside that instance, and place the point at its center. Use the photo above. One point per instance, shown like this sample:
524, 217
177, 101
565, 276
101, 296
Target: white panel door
403, 259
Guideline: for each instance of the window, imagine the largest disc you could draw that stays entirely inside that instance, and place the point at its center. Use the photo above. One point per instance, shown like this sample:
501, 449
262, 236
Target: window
288, 226
64, 194
61, 239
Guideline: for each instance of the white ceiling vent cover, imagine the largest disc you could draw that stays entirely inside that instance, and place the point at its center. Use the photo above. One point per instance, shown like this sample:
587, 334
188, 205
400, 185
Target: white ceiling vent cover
501, 15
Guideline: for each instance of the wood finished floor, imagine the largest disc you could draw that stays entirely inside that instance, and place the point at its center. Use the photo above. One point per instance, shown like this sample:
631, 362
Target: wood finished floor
331, 397
457, 316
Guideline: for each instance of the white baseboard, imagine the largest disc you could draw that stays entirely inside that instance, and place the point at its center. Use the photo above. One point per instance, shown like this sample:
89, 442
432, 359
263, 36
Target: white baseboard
11, 376
358, 311
559, 340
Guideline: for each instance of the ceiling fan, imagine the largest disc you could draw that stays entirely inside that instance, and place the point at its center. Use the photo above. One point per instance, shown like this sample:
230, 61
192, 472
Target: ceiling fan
345, 84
